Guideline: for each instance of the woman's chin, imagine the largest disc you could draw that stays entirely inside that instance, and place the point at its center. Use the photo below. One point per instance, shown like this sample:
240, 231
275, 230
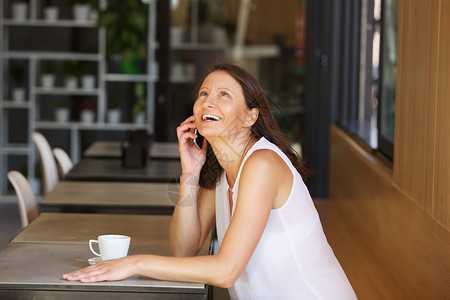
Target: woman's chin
206, 132
209, 137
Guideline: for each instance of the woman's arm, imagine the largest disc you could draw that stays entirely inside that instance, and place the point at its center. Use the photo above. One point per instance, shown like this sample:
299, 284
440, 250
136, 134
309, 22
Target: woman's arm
192, 219
258, 191
193, 216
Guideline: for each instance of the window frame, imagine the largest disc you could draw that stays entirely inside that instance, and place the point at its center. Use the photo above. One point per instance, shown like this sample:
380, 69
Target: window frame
349, 77
385, 146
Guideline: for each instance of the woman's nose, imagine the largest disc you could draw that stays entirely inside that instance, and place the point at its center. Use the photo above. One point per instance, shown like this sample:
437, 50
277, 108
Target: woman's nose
209, 101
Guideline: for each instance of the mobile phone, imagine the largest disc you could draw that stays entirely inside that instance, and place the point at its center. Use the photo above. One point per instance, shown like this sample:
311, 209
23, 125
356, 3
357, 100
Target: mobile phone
199, 140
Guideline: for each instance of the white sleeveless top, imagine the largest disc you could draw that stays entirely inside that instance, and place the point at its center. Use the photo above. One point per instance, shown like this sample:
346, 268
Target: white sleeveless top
293, 259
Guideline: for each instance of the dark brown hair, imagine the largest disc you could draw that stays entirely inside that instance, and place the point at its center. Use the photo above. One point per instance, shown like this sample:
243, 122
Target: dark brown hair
265, 126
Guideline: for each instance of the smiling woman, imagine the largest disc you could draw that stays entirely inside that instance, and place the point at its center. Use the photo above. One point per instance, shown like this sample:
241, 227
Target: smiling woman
242, 82
272, 245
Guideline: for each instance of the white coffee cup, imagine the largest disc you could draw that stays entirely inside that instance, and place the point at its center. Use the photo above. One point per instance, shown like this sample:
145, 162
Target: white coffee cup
111, 246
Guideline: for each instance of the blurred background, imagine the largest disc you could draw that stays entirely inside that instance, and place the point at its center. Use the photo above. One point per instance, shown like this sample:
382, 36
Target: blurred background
359, 87
141, 61
81, 71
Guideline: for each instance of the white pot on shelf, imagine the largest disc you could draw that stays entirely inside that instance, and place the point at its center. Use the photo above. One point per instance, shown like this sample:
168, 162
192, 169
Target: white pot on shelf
94, 15
71, 83
189, 70
51, 13
48, 81
62, 114
19, 11
81, 12
139, 118
220, 36
176, 35
114, 115
177, 69
18, 94
87, 116
88, 82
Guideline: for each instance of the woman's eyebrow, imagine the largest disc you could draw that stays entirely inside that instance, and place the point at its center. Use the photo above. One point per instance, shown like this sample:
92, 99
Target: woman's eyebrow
224, 88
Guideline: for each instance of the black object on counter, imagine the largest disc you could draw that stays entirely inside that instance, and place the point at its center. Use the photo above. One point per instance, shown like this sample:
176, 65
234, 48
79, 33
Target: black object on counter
135, 149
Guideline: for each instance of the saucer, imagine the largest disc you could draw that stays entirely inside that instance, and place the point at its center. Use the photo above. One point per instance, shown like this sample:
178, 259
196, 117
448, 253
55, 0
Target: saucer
94, 260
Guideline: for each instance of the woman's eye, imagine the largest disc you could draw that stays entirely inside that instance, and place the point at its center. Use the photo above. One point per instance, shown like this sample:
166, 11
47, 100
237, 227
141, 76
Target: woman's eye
203, 93
224, 94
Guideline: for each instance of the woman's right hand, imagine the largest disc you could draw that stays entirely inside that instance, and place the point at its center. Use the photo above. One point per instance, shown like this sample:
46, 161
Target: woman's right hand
192, 158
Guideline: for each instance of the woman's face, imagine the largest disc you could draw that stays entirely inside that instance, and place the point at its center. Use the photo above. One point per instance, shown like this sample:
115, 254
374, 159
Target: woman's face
220, 109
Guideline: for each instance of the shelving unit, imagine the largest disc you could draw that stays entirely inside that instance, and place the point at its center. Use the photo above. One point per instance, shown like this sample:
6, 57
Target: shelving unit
36, 95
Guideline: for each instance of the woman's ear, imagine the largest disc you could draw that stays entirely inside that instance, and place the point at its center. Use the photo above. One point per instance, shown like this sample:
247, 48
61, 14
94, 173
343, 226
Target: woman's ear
252, 116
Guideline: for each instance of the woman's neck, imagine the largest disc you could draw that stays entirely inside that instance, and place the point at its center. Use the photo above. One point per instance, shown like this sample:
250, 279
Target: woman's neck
230, 152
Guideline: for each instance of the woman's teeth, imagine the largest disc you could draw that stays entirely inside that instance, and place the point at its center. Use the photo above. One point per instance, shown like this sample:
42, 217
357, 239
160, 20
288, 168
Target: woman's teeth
210, 118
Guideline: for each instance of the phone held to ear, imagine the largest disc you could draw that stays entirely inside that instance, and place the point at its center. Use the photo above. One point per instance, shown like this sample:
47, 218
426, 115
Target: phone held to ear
198, 141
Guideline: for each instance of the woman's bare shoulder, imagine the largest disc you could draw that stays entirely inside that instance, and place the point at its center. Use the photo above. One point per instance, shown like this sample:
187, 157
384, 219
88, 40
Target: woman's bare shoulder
265, 162
266, 157
267, 172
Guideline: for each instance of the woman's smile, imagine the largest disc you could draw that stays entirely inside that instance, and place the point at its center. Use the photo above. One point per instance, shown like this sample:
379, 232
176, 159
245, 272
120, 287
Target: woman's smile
210, 118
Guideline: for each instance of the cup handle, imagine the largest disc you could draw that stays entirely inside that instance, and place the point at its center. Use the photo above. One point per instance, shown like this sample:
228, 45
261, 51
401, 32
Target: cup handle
92, 249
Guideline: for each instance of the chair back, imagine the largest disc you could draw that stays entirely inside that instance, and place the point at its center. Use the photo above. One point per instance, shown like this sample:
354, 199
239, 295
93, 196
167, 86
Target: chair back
49, 170
27, 203
64, 161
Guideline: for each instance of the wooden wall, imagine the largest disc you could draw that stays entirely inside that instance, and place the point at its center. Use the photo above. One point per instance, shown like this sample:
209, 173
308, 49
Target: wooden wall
388, 245
422, 139
399, 215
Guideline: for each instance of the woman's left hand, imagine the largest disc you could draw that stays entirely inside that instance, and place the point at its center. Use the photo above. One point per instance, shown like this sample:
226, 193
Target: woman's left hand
108, 270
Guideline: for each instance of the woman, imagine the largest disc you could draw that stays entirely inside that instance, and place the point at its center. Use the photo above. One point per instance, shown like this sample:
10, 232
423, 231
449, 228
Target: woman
247, 180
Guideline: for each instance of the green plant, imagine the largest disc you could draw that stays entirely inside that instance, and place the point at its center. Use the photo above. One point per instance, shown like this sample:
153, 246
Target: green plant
126, 32
61, 103
18, 74
48, 67
140, 103
73, 68
114, 101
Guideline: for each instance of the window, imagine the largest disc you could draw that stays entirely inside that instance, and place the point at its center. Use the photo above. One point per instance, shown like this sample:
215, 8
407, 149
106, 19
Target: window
388, 69
368, 71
